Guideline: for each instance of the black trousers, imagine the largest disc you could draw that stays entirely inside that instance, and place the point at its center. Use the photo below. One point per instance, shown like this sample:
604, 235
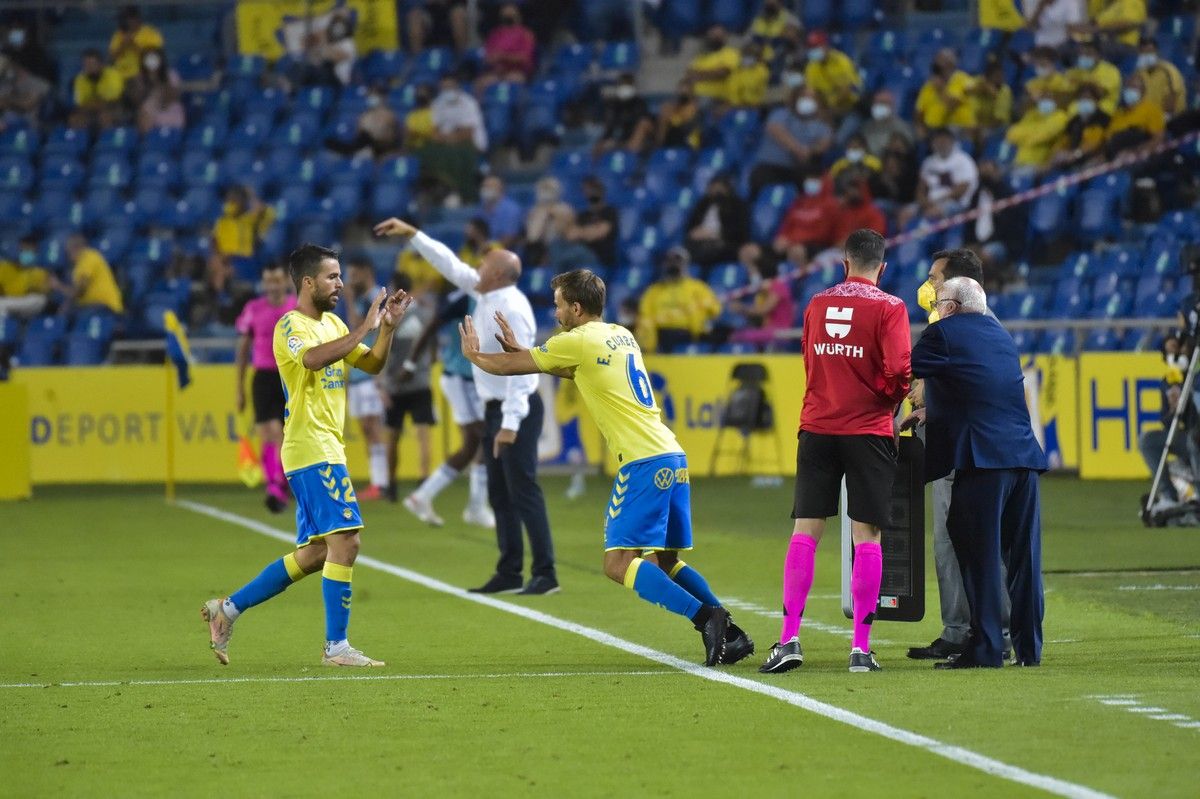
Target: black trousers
515, 495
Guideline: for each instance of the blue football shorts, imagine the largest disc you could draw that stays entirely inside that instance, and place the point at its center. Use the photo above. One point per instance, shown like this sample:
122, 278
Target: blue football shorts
325, 501
651, 505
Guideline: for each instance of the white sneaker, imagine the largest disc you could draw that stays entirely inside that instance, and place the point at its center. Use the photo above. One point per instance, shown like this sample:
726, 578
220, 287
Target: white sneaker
220, 629
577, 488
348, 656
422, 510
480, 515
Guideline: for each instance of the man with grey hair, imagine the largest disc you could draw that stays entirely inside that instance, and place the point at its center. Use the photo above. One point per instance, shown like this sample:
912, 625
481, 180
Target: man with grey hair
978, 426
513, 412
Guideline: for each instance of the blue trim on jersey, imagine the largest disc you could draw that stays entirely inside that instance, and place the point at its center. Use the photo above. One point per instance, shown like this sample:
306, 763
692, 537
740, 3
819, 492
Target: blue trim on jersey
325, 501
651, 505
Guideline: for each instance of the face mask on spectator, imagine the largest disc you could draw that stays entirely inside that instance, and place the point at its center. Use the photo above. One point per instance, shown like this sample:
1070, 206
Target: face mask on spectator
511, 19
1177, 361
881, 111
489, 194
806, 106
927, 296
1085, 62
594, 199
626, 92
792, 79
374, 101
854, 155
26, 258
1086, 107
812, 186
16, 37
152, 61
1046, 106
1043, 70
816, 54
546, 195
1131, 96
749, 60
339, 30
1147, 60
673, 269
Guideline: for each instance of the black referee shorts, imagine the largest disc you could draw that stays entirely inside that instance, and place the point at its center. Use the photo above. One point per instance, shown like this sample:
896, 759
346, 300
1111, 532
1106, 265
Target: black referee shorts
418, 405
266, 390
867, 462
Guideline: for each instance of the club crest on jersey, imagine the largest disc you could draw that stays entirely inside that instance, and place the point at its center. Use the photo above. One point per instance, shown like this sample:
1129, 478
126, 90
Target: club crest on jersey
837, 321
294, 343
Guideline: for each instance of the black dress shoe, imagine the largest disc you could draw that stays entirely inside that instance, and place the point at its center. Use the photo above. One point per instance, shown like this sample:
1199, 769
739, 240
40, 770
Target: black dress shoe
537, 586
962, 662
940, 649
499, 584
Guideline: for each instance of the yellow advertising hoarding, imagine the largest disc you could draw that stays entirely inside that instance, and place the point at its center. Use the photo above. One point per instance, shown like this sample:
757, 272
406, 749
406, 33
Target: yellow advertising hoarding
1119, 397
1058, 405
264, 25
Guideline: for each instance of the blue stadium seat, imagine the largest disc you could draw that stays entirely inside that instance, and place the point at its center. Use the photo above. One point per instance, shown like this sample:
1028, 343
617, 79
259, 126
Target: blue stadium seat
1049, 214
431, 64
402, 169
674, 215
16, 174
236, 162
619, 57
66, 141
727, 277
571, 165
194, 67
38, 351
153, 249
858, 14
1126, 262
817, 14
733, 15
1102, 340
207, 136
536, 283
572, 59
1057, 341
739, 133
666, 171
885, 47
769, 208
161, 140
248, 136
1115, 305
20, 141
246, 66
110, 170
647, 248
10, 330
344, 199
538, 121
157, 171
389, 198
1071, 299
350, 172
61, 172
85, 350
298, 130
294, 201
1026, 340
382, 66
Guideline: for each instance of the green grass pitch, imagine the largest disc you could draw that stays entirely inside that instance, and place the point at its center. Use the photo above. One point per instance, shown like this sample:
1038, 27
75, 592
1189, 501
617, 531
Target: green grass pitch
102, 586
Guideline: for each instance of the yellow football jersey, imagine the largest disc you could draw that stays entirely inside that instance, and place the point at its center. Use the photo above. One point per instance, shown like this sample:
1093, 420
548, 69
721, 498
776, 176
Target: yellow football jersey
315, 415
614, 383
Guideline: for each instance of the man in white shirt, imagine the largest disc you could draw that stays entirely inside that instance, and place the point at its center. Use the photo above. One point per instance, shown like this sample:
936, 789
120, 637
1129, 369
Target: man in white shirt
1051, 20
949, 178
513, 412
457, 117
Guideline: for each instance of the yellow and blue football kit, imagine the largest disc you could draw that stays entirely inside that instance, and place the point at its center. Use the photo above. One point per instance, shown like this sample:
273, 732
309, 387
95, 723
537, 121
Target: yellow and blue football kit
650, 506
314, 451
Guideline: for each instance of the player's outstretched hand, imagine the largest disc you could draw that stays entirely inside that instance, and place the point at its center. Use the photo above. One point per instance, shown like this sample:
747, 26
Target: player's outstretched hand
374, 314
394, 227
468, 338
396, 306
506, 336
913, 420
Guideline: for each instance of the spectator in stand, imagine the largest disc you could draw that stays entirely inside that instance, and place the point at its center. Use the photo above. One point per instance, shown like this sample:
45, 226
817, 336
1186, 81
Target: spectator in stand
944, 101
993, 100
895, 185
856, 211
995, 235
807, 224
438, 23
330, 52
1116, 22
1091, 69
1052, 20
508, 53
884, 124
628, 123
948, 178
748, 81
132, 40
1047, 78
1038, 135
718, 225
1162, 80
425, 279
97, 93
1086, 130
418, 122
503, 214
477, 242
378, 129
772, 309
237, 233
832, 75
24, 286
771, 29
21, 92
709, 72
679, 119
547, 227
596, 225
1000, 15
459, 139
856, 161
1137, 121
154, 94
796, 139
22, 47
677, 309
92, 282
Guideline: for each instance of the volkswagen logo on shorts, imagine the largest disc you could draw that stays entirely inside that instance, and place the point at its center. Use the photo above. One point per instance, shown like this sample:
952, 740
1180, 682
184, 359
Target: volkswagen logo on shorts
664, 477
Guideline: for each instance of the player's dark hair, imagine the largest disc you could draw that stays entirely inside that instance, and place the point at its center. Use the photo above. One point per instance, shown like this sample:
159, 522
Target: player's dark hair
401, 281
273, 266
584, 287
960, 263
305, 261
864, 249
481, 224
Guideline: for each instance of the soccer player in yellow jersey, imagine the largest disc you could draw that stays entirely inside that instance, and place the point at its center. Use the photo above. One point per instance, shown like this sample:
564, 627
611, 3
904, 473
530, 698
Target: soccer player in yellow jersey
314, 351
649, 519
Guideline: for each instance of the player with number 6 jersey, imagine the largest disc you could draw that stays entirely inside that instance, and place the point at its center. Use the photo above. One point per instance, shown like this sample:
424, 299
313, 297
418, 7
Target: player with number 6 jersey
648, 520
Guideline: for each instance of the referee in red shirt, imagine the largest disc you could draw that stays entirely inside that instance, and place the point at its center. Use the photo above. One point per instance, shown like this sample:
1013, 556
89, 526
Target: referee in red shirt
857, 350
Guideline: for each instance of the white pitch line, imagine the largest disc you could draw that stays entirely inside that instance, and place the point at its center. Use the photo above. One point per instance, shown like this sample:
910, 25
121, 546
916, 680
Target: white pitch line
516, 675
1158, 587
956, 754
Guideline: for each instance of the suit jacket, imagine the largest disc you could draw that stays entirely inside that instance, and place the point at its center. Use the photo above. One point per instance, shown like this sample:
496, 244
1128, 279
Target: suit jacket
976, 416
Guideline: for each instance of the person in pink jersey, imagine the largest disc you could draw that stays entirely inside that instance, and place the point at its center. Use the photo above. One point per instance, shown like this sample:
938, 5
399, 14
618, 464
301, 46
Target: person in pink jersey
256, 324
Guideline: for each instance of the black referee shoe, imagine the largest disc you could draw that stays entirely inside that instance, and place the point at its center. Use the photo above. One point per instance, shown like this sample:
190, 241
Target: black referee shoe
783, 657
713, 624
738, 645
498, 585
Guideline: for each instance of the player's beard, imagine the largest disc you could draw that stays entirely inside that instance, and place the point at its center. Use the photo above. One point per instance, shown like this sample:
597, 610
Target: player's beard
326, 303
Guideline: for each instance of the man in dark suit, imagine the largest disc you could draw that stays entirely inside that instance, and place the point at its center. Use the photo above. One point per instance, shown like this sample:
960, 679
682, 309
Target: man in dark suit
978, 426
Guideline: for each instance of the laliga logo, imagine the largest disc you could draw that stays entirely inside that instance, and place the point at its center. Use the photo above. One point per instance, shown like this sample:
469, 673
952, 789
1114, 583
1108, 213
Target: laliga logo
834, 317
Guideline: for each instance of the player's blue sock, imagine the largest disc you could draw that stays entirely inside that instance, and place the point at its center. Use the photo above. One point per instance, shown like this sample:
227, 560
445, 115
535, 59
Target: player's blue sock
694, 583
335, 587
653, 585
270, 581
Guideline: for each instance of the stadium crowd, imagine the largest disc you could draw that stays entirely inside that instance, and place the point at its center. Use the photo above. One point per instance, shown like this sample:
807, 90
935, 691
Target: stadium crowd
157, 177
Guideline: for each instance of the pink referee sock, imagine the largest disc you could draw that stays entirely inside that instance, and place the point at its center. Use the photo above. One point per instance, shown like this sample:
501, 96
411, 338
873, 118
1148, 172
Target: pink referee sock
797, 582
864, 590
271, 464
